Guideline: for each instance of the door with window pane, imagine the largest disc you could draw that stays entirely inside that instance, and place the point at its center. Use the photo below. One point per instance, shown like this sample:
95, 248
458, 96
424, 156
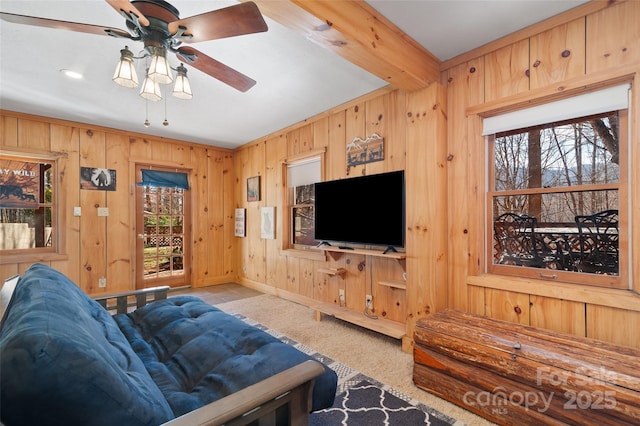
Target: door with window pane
162, 228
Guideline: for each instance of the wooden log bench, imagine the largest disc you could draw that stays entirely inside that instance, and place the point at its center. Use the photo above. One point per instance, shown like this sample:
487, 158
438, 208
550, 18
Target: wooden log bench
518, 375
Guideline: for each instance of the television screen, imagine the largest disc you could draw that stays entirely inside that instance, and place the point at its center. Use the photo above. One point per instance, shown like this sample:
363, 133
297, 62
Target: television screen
362, 210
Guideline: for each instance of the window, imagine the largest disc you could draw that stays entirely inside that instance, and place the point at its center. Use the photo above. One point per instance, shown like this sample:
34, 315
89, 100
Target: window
27, 205
301, 175
557, 197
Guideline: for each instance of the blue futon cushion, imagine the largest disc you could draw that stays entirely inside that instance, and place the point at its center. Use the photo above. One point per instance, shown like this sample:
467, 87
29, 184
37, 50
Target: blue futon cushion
197, 354
63, 361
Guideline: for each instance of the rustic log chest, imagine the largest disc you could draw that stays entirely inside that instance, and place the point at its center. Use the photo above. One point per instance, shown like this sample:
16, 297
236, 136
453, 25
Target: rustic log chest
517, 375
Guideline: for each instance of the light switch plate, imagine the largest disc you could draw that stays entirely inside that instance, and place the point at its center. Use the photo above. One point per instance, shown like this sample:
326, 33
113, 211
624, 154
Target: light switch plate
103, 211
77, 211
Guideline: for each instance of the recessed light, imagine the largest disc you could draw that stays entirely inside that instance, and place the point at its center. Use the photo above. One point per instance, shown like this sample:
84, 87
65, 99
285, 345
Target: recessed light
71, 74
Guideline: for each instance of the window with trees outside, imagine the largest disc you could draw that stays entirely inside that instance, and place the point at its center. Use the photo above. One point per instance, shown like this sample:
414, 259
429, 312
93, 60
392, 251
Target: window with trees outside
301, 176
557, 200
27, 206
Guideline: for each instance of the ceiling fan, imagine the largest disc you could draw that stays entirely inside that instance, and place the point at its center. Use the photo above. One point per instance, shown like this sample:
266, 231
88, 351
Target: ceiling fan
158, 25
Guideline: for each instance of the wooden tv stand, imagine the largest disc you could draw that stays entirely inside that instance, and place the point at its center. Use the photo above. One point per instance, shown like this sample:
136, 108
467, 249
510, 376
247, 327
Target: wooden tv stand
387, 327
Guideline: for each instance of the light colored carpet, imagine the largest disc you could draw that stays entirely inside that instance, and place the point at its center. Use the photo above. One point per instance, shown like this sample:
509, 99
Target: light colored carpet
373, 354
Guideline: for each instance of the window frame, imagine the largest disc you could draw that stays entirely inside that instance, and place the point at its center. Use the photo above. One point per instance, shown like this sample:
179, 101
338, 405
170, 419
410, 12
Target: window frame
288, 246
620, 281
54, 251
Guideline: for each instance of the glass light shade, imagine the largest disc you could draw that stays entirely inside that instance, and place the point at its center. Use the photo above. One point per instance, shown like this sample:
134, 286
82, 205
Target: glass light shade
159, 70
125, 74
182, 88
150, 90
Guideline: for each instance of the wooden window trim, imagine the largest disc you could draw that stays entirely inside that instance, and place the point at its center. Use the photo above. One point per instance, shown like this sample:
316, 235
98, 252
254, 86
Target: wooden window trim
41, 254
623, 280
288, 248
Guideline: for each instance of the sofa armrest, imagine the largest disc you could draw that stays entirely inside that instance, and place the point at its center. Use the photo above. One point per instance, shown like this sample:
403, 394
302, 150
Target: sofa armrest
291, 387
142, 297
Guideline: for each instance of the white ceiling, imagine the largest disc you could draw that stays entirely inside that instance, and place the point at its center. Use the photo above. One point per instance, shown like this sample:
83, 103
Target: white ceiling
296, 79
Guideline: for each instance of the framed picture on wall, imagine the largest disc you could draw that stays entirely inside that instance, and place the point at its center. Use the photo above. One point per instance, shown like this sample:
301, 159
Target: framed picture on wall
239, 230
267, 223
253, 188
97, 179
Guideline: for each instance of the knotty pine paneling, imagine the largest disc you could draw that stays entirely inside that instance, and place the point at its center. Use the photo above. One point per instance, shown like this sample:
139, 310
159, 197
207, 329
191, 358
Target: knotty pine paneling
613, 36
619, 326
249, 163
321, 133
557, 54
355, 126
34, 135
384, 116
507, 306
603, 40
202, 247
92, 246
306, 276
93, 229
9, 131
357, 280
220, 224
276, 265
66, 140
336, 160
475, 303
426, 211
119, 238
506, 71
564, 316
465, 177
292, 283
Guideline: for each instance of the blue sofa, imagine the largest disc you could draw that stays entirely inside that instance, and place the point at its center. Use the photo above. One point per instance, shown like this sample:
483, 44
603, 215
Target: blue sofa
65, 360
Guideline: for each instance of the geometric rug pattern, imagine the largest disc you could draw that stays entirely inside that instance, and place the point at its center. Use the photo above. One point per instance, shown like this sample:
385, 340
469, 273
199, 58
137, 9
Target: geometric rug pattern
361, 400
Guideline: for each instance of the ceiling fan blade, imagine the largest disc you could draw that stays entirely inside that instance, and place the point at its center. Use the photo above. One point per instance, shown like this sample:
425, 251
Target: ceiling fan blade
244, 18
63, 25
215, 69
128, 10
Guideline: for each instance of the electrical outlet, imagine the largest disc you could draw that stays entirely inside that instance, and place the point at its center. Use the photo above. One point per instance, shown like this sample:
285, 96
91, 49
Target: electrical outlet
342, 296
368, 299
102, 282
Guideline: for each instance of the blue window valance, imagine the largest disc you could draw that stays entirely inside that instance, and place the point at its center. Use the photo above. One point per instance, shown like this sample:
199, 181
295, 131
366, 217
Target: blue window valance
157, 178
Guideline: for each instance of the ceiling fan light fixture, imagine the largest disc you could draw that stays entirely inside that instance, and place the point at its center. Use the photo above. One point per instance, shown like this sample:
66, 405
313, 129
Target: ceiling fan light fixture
159, 70
150, 90
182, 88
125, 74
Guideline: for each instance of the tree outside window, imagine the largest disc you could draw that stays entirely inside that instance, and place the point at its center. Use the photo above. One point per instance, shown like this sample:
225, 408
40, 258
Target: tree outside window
554, 174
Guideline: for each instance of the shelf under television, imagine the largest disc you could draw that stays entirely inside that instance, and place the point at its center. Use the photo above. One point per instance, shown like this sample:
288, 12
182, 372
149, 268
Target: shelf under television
337, 252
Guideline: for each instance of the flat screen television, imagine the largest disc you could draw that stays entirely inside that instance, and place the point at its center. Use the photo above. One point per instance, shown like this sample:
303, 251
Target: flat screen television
362, 210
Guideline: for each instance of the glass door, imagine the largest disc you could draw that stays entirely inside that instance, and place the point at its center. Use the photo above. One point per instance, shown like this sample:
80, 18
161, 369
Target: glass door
162, 227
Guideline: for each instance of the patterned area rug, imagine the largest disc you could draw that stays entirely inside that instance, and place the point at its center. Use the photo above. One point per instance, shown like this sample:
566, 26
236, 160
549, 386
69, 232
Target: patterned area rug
361, 400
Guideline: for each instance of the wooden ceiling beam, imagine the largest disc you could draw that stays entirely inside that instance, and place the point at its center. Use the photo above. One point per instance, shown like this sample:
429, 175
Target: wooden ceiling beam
361, 35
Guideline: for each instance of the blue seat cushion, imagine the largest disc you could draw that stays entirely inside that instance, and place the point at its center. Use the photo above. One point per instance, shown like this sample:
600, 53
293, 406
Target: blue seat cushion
64, 361
197, 354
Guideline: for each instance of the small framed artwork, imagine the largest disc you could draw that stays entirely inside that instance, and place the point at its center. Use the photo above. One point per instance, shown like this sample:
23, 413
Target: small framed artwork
239, 230
97, 179
267, 223
253, 188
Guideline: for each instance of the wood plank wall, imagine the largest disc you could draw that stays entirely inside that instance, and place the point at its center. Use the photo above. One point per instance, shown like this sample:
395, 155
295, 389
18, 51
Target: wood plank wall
94, 247
413, 126
603, 41
433, 133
